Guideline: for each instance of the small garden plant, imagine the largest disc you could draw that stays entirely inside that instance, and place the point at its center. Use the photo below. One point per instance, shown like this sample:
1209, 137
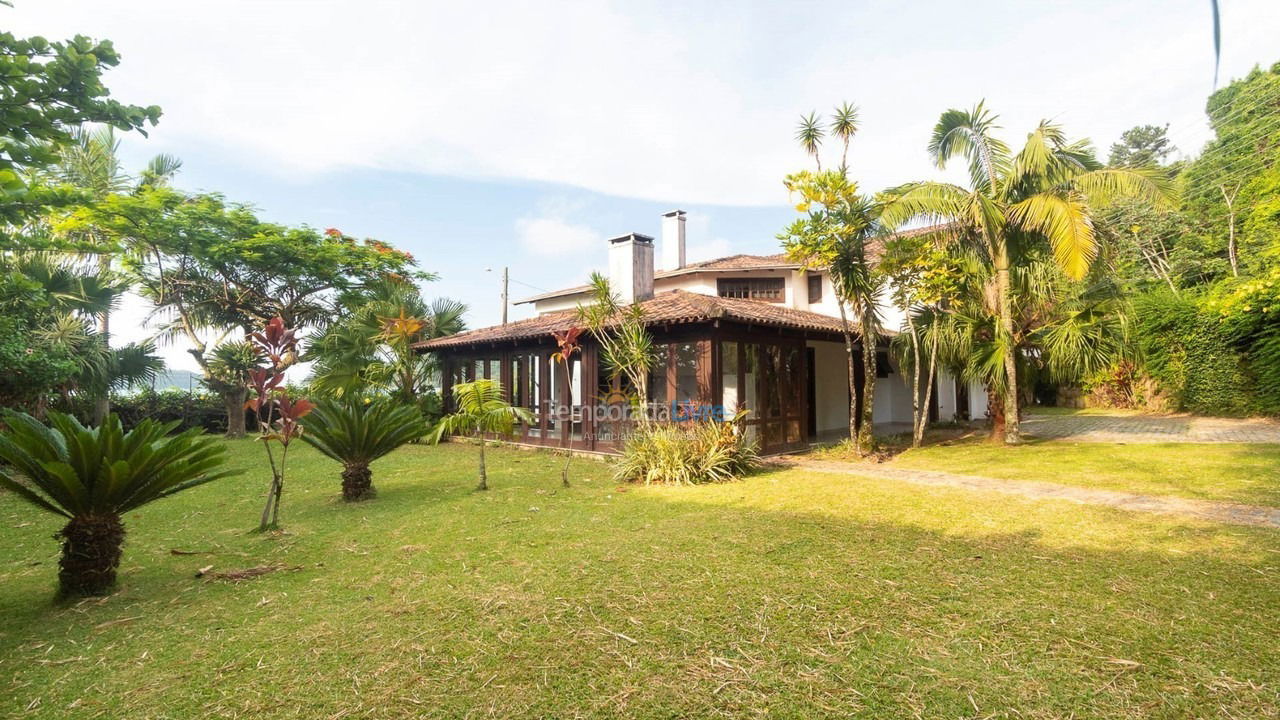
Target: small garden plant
279, 345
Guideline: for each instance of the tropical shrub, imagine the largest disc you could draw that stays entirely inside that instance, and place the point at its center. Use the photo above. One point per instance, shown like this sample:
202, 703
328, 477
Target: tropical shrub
356, 432
687, 453
92, 476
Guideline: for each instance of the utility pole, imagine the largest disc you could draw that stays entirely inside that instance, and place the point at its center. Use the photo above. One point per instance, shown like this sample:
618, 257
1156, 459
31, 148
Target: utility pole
505, 281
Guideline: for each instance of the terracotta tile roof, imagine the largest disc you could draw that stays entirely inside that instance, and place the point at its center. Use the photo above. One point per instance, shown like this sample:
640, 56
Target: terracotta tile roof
777, 261
674, 307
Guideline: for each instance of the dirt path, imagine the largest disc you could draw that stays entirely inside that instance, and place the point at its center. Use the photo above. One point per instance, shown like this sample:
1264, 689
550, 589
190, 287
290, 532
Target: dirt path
1223, 512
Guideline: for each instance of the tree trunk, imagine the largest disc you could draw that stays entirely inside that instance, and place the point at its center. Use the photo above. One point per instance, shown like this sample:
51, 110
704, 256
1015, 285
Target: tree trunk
1012, 433
853, 383
357, 482
234, 402
917, 426
564, 471
102, 404
90, 554
484, 477
995, 408
866, 439
930, 377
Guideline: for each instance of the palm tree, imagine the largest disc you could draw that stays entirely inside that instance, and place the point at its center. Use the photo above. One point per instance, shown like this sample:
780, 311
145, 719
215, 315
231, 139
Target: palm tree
370, 348
229, 366
838, 235
482, 410
356, 433
1046, 193
92, 163
92, 476
72, 293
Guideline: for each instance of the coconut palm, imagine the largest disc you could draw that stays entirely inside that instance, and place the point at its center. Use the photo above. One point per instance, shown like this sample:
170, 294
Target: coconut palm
481, 410
1045, 194
355, 433
92, 476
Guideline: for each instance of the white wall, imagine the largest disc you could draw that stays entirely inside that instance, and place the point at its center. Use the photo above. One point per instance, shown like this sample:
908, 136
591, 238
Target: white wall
831, 387
893, 398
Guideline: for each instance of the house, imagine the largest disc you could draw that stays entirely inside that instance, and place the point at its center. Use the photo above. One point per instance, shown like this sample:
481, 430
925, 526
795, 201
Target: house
744, 331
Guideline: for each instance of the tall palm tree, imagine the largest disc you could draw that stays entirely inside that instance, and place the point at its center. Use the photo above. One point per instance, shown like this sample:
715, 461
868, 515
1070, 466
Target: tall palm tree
839, 235
92, 163
75, 293
1046, 193
482, 410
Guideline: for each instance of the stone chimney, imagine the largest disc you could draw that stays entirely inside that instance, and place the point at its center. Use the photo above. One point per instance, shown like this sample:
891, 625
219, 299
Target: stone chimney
673, 240
631, 267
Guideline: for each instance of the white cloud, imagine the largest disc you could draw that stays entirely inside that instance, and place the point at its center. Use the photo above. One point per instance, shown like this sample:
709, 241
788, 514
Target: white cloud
556, 236
691, 104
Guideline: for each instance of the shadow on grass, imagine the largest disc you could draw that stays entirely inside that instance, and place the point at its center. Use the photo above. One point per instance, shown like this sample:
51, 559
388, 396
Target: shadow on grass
785, 593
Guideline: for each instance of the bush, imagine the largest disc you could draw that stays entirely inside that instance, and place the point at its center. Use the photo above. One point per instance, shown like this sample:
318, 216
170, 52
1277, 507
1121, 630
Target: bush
687, 453
1193, 356
197, 409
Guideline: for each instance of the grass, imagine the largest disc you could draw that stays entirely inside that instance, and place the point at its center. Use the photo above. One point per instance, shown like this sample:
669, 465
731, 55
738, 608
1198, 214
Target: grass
1223, 472
787, 595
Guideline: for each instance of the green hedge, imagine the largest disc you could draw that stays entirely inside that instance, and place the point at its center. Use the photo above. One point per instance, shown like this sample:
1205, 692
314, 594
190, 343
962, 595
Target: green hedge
1195, 358
191, 409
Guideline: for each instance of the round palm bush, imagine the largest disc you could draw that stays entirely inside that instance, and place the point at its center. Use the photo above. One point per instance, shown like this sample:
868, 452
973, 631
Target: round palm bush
355, 433
92, 476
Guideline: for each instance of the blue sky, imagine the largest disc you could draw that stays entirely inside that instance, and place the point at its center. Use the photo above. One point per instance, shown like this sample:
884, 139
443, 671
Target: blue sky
525, 134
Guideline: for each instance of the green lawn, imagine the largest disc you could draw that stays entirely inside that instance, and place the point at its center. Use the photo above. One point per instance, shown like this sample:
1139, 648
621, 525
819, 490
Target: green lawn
1229, 472
787, 595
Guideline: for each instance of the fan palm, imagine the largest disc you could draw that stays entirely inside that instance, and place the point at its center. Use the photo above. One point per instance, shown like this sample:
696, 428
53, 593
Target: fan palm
481, 409
1045, 193
92, 476
355, 434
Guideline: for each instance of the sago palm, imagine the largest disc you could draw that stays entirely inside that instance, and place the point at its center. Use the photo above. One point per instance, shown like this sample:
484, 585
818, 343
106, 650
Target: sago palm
93, 476
482, 410
1045, 193
355, 433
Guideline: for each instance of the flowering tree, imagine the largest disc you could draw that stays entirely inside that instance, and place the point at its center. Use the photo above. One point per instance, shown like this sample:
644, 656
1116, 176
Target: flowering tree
278, 345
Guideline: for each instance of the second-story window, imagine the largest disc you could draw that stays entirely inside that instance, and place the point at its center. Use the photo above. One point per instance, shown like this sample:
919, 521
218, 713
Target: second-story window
815, 288
772, 290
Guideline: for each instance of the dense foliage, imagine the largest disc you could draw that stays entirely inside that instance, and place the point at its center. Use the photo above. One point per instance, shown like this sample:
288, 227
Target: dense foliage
687, 453
1207, 272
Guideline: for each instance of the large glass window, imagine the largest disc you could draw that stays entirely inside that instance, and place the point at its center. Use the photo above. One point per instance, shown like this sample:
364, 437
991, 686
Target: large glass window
729, 377
815, 288
686, 359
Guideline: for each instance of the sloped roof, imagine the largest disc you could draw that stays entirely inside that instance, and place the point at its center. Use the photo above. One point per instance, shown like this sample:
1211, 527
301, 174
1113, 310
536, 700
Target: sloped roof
671, 307
777, 261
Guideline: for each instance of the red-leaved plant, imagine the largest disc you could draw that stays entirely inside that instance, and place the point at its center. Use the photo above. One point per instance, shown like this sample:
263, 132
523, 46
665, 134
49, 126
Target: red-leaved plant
279, 345
567, 345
